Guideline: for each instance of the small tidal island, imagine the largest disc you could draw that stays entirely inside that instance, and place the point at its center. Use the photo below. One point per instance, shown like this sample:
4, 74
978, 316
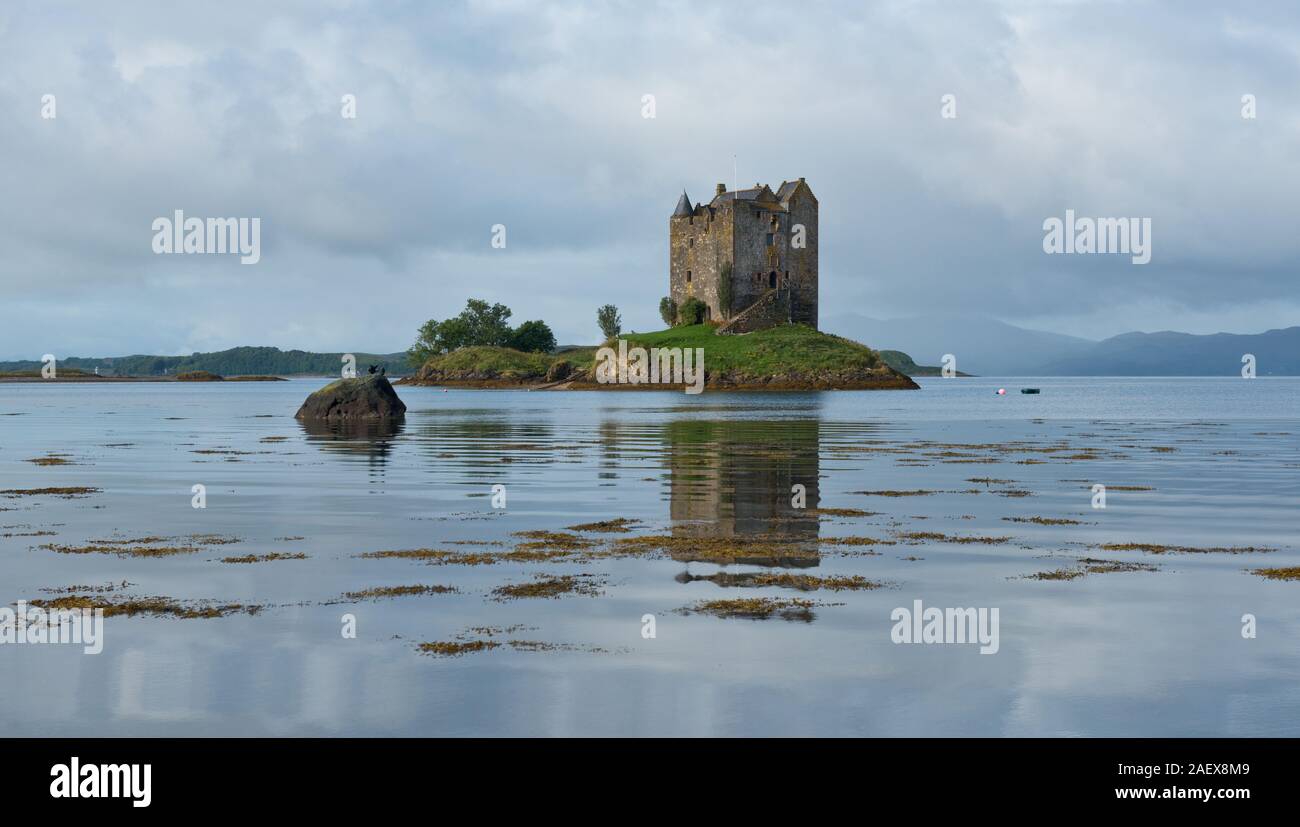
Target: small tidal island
789, 357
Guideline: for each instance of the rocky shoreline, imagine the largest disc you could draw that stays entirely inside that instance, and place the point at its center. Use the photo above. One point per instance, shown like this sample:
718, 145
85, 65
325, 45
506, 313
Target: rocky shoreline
885, 378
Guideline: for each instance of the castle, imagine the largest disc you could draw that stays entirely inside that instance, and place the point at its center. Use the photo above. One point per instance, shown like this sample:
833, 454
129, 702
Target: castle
749, 255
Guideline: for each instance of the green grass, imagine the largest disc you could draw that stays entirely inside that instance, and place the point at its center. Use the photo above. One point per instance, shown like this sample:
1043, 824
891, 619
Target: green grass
780, 350
795, 352
503, 361
579, 357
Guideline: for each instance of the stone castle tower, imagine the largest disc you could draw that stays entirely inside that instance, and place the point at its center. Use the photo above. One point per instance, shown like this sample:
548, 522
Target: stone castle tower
763, 243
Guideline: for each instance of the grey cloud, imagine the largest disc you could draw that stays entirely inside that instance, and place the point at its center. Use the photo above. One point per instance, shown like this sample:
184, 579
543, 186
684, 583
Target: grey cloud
528, 114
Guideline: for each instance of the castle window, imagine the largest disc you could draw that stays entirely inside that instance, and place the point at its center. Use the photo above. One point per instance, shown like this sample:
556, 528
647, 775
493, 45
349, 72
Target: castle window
771, 279
769, 239
688, 276
690, 242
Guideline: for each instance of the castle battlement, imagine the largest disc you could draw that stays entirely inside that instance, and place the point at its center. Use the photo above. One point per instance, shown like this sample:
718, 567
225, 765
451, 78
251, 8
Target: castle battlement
757, 240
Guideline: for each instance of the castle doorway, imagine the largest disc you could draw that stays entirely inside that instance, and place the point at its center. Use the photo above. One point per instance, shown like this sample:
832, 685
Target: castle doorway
771, 279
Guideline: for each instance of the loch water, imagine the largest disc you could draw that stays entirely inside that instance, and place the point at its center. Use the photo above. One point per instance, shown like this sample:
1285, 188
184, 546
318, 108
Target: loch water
961, 498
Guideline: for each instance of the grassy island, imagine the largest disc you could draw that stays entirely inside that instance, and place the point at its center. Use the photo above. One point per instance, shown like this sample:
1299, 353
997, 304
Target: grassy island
787, 357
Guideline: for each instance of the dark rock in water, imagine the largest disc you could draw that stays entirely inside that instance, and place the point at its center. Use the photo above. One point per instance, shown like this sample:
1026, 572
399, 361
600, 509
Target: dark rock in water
368, 397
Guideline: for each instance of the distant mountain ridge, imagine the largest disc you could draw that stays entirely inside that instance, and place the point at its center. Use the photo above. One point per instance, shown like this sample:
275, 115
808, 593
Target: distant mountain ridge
237, 361
980, 346
993, 348
1167, 353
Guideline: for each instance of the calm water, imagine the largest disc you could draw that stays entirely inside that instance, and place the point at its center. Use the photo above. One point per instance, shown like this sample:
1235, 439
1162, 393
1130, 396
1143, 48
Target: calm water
1211, 463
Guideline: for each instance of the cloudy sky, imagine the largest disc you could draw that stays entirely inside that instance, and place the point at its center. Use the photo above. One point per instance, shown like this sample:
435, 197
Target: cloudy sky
529, 114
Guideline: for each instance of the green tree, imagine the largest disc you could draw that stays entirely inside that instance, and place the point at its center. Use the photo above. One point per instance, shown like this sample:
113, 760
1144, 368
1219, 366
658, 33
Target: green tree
487, 325
533, 337
437, 337
726, 291
668, 310
611, 324
423, 349
692, 311
478, 324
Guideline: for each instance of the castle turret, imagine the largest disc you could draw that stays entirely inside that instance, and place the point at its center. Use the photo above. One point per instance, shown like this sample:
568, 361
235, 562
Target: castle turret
683, 206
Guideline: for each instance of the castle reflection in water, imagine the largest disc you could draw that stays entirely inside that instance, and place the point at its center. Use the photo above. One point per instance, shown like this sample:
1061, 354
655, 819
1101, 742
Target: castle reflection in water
737, 479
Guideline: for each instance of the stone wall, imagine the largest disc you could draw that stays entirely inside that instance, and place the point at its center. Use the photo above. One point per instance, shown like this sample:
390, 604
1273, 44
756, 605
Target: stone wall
802, 263
771, 309
756, 259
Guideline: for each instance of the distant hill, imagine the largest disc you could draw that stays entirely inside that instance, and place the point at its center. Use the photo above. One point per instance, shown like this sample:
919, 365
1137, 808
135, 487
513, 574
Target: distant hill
901, 362
982, 346
1276, 352
238, 361
992, 348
